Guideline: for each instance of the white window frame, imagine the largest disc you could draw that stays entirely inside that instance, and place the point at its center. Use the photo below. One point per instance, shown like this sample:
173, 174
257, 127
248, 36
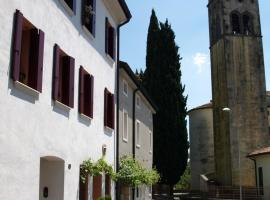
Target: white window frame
138, 136
125, 139
125, 92
138, 101
151, 141
150, 116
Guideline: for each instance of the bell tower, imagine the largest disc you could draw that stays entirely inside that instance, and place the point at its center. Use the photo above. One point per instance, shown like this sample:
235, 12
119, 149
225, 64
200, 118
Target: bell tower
238, 83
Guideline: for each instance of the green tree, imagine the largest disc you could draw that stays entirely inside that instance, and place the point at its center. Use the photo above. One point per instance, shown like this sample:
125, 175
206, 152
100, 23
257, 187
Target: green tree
185, 181
151, 52
162, 79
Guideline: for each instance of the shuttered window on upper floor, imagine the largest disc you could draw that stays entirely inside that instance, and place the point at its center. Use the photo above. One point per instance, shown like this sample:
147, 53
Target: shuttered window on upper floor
109, 39
88, 15
63, 78
86, 92
108, 109
70, 6
27, 53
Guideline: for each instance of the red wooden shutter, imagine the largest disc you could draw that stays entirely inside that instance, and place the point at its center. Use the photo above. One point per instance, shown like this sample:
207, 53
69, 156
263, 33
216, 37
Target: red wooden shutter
105, 107
17, 40
83, 190
91, 96
107, 185
97, 184
56, 72
112, 110
106, 34
40, 60
81, 90
71, 82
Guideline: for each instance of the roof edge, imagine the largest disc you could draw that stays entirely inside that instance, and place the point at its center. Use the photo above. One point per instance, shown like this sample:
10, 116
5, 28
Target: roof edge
125, 8
204, 106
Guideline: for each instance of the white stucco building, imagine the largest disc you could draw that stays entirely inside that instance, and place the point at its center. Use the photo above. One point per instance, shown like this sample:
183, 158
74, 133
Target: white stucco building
58, 66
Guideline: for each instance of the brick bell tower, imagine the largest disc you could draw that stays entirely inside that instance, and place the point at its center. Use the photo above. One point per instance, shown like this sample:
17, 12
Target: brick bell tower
238, 82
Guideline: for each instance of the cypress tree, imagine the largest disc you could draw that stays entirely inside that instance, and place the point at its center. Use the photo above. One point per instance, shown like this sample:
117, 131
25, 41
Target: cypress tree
163, 82
151, 52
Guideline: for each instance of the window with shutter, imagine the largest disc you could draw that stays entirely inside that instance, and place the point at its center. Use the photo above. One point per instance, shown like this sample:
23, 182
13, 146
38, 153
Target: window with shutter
108, 109
138, 137
70, 6
63, 79
86, 85
97, 187
83, 190
125, 126
89, 15
27, 53
109, 39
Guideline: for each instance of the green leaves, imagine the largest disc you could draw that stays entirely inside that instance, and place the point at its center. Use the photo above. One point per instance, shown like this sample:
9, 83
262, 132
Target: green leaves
133, 174
90, 168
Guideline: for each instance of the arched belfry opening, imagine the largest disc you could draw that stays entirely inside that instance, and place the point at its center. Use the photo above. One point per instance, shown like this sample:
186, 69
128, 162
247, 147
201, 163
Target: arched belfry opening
247, 23
51, 183
235, 21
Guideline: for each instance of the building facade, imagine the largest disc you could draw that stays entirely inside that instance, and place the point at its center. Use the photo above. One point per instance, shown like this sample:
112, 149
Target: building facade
58, 74
238, 83
201, 138
135, 127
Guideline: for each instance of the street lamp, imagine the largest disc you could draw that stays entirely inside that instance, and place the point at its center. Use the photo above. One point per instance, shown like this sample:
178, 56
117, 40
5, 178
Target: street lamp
226, 109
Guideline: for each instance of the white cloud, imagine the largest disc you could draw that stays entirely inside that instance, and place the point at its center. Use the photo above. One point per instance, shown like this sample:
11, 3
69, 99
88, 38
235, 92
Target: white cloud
201, 61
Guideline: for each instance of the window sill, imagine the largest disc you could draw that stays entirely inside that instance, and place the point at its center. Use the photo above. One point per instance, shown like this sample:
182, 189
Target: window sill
109, 128
86, 117
111, 60
88, 33
125, 140
138, 146
67, 8
62, 106
26, 88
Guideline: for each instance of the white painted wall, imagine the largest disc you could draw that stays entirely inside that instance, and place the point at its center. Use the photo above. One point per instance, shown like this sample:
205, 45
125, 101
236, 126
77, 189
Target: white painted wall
31, 127
264, 162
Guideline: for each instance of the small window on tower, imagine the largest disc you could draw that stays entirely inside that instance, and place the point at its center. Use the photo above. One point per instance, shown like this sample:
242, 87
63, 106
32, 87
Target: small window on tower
235, 20
247, 24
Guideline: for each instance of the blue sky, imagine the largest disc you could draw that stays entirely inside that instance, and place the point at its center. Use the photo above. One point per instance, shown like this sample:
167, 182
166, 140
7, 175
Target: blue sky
189, 19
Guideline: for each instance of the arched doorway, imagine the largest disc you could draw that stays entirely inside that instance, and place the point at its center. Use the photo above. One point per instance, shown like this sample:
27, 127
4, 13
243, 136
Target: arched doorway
51, 184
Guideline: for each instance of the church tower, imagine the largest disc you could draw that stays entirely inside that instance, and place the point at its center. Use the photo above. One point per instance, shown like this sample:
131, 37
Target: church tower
238, 83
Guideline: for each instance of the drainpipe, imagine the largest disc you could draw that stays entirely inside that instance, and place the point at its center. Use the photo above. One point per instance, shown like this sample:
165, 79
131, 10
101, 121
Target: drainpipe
133, 130
117, 104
